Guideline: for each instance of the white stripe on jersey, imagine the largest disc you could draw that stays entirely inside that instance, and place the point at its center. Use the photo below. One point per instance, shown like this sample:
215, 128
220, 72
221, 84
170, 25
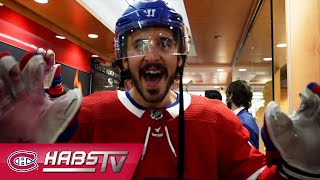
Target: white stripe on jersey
127, 103
174, 110
255, 175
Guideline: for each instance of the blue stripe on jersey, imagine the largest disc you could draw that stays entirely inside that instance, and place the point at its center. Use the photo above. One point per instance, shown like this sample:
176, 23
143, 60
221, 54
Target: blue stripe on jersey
175, 103
134, 102
144, 108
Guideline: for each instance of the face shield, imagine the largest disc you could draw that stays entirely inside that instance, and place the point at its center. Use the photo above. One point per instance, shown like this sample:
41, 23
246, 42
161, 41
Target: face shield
159, 42
149, 40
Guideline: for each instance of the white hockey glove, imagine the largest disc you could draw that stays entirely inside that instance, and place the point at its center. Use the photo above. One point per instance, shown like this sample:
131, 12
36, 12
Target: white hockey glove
26, 114
296, 137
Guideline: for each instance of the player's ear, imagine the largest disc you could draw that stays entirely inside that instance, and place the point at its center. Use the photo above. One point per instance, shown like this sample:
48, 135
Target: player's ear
180, 61
125, 64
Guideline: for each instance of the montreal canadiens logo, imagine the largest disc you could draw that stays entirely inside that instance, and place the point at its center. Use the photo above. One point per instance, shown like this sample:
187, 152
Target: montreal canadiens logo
22, 161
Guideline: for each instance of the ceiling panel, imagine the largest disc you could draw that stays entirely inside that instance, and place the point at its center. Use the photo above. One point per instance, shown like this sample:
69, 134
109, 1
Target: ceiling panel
217, 27
73, 20
257, 46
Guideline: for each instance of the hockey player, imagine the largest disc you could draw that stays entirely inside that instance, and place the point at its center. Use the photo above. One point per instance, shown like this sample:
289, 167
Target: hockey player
184, 136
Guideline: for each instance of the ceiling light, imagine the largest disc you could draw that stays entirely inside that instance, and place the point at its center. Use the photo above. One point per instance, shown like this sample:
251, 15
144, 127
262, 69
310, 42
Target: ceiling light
41, 1
242, 69
219, 70
94, 55
267, 59
281, 45
217, 37
93, 36
60, 37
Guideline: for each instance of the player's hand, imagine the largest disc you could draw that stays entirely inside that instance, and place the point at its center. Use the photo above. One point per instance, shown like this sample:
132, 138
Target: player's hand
293, 142
26, 114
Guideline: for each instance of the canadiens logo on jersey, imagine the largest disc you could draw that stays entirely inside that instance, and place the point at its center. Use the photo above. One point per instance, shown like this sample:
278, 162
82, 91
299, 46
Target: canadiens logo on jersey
22, 161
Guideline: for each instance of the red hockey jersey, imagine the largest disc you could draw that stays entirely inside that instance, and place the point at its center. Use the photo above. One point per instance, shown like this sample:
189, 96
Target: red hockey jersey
216, 143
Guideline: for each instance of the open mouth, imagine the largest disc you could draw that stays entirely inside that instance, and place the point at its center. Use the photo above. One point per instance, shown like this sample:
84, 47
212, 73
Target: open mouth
152, 77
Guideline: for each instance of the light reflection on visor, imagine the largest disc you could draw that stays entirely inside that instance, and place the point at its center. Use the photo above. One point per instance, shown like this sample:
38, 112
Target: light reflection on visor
163, 40
162, 44
146, 46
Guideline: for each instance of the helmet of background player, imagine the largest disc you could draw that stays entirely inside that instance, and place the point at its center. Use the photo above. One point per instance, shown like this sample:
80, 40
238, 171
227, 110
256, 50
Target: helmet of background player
151, 14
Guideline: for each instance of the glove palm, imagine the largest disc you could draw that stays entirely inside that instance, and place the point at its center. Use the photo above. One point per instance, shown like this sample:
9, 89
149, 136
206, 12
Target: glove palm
26, 114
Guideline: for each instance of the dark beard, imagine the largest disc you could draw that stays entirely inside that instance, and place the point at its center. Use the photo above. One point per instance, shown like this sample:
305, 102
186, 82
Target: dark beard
156, 91
160, 97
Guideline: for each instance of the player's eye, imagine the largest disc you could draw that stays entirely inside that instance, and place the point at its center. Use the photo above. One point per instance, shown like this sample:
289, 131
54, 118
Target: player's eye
141, 44
167, 44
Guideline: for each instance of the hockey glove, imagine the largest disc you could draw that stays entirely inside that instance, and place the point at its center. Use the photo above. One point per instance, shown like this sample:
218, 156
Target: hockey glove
293, 142
26, 114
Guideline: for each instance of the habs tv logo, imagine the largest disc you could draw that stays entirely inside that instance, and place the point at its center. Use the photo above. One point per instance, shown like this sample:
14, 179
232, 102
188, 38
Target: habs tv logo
78, 161
22, 161
85, 162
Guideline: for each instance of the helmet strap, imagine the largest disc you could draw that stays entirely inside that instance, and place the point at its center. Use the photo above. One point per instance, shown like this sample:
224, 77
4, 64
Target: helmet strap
181, 130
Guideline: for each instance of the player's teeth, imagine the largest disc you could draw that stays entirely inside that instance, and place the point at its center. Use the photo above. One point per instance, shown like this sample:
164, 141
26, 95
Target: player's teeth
153, 72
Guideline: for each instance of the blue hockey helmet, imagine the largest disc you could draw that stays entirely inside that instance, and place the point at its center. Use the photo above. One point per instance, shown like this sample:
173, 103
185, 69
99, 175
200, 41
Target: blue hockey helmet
150, 14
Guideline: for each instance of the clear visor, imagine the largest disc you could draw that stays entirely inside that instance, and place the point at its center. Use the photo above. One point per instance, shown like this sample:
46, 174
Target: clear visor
153, 41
